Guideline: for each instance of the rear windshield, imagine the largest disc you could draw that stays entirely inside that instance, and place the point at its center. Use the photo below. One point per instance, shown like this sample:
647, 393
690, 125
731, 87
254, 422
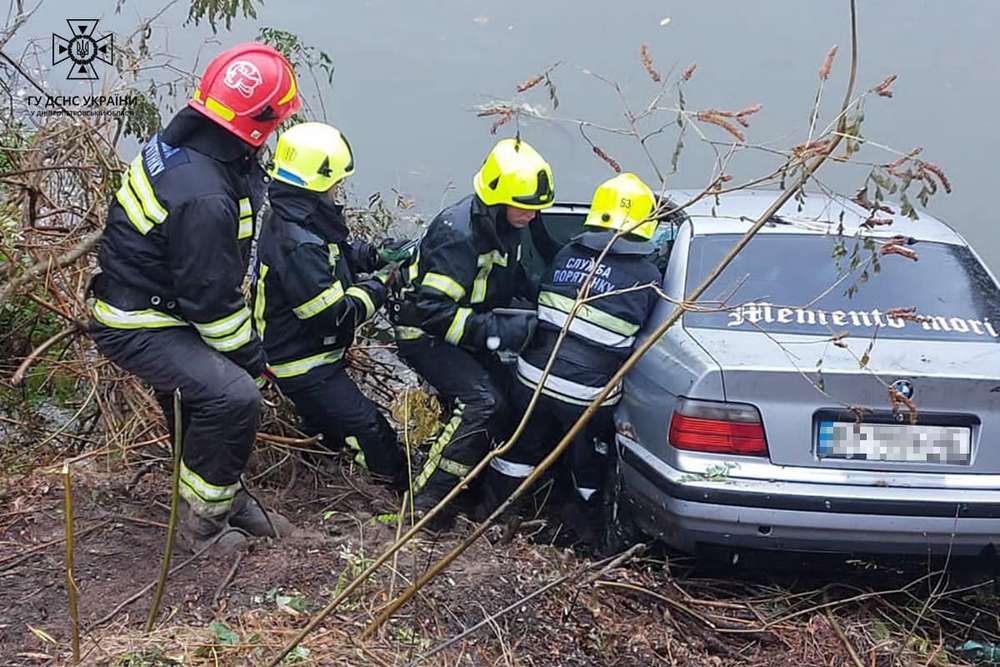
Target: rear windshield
797, 284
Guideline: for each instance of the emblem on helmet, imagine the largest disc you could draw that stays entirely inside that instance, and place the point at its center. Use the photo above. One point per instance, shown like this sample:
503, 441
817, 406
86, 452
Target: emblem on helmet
904, 388
244, 77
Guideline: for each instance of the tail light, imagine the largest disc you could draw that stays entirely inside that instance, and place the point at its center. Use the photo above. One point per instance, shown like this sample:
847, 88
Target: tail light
724, 428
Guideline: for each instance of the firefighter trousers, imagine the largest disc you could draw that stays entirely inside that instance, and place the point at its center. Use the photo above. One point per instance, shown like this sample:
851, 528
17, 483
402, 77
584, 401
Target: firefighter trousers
220, 406
335, 407
548, 423
474, 389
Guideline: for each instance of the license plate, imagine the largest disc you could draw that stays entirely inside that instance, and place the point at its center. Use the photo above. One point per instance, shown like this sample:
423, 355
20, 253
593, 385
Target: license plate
895, 442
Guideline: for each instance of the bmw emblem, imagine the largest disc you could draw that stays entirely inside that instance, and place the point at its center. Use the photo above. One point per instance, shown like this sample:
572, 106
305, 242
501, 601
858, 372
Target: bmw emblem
904, 388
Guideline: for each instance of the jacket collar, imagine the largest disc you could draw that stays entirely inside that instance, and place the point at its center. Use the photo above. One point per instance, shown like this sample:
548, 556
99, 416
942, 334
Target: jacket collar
310, 210
193, 130
490, 222
599, 240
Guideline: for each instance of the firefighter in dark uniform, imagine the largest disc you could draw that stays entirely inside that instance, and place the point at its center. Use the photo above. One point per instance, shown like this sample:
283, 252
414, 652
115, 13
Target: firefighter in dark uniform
168, 306
309, 298
447, 330
599, 339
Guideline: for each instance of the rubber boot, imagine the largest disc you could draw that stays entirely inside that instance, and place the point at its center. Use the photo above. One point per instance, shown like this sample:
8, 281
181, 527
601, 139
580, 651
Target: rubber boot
496, 488
584, 518
437, 487
195, 532
248, 514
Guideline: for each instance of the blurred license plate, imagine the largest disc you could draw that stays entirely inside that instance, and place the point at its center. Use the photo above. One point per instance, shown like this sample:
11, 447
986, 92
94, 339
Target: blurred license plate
894, 442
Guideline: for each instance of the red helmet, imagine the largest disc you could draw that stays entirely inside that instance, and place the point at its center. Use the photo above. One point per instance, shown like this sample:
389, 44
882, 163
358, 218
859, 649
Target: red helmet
249, 90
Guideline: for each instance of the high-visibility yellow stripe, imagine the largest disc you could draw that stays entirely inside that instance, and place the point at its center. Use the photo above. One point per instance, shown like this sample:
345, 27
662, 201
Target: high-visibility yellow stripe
220, 109
453, 467
245, 207
132, 208
246, 229
298, 367
486, 262
407, 333
457, 328
363, 297
152, 207
359, 454
287, 97
589, 313
224, 325
320, 302
260, 300
436, 452
444, 284
116, 318
204, 498
233, 341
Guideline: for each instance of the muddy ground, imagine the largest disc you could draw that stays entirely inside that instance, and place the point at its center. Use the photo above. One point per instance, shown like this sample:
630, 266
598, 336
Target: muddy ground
653, 609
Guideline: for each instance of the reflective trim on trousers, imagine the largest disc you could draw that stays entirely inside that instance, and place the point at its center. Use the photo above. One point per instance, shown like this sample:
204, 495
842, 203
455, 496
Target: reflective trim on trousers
355, 446
205, 499
435, 455
510, 468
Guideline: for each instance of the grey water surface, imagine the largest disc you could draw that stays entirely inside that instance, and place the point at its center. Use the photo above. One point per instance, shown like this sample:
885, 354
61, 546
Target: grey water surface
410, 72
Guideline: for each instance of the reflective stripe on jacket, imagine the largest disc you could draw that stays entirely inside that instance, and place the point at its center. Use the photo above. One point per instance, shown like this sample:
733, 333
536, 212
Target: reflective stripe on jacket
307, 301
177, 240
602, 331
468, 263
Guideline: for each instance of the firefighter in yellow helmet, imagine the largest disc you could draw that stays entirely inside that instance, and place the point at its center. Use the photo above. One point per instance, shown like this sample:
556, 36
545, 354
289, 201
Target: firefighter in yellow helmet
599, 339
447, 325
312, 288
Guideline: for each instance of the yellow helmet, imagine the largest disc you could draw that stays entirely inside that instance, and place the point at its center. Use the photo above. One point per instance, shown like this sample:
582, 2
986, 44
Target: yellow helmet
314, 156
623, 203
516, 175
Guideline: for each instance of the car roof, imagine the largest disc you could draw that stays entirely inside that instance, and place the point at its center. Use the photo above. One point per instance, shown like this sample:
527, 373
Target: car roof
735, 212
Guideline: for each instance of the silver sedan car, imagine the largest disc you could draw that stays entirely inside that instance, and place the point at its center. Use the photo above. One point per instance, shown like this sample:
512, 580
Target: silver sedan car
834, 395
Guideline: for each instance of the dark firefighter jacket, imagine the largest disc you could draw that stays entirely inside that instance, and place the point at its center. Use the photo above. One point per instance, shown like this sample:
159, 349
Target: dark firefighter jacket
177, 241
603, 331
306, 302
468, 263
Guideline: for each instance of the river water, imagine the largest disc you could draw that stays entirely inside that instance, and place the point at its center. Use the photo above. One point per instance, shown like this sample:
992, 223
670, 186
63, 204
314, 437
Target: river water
409, 74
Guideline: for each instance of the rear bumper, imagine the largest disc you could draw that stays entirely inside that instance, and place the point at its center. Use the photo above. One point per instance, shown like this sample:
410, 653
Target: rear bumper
687, 510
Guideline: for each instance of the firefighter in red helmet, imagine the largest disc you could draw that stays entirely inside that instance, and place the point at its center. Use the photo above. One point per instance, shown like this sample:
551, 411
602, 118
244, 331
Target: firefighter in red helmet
167, 304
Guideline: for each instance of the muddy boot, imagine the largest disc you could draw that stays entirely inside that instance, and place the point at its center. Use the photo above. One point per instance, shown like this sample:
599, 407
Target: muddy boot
434, 491
584, 519
248, 514
195, 532
495, 489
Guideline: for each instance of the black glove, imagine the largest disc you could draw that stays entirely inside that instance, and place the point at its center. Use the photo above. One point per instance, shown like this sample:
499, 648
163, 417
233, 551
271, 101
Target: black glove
510, 331
403, 311
364, 257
